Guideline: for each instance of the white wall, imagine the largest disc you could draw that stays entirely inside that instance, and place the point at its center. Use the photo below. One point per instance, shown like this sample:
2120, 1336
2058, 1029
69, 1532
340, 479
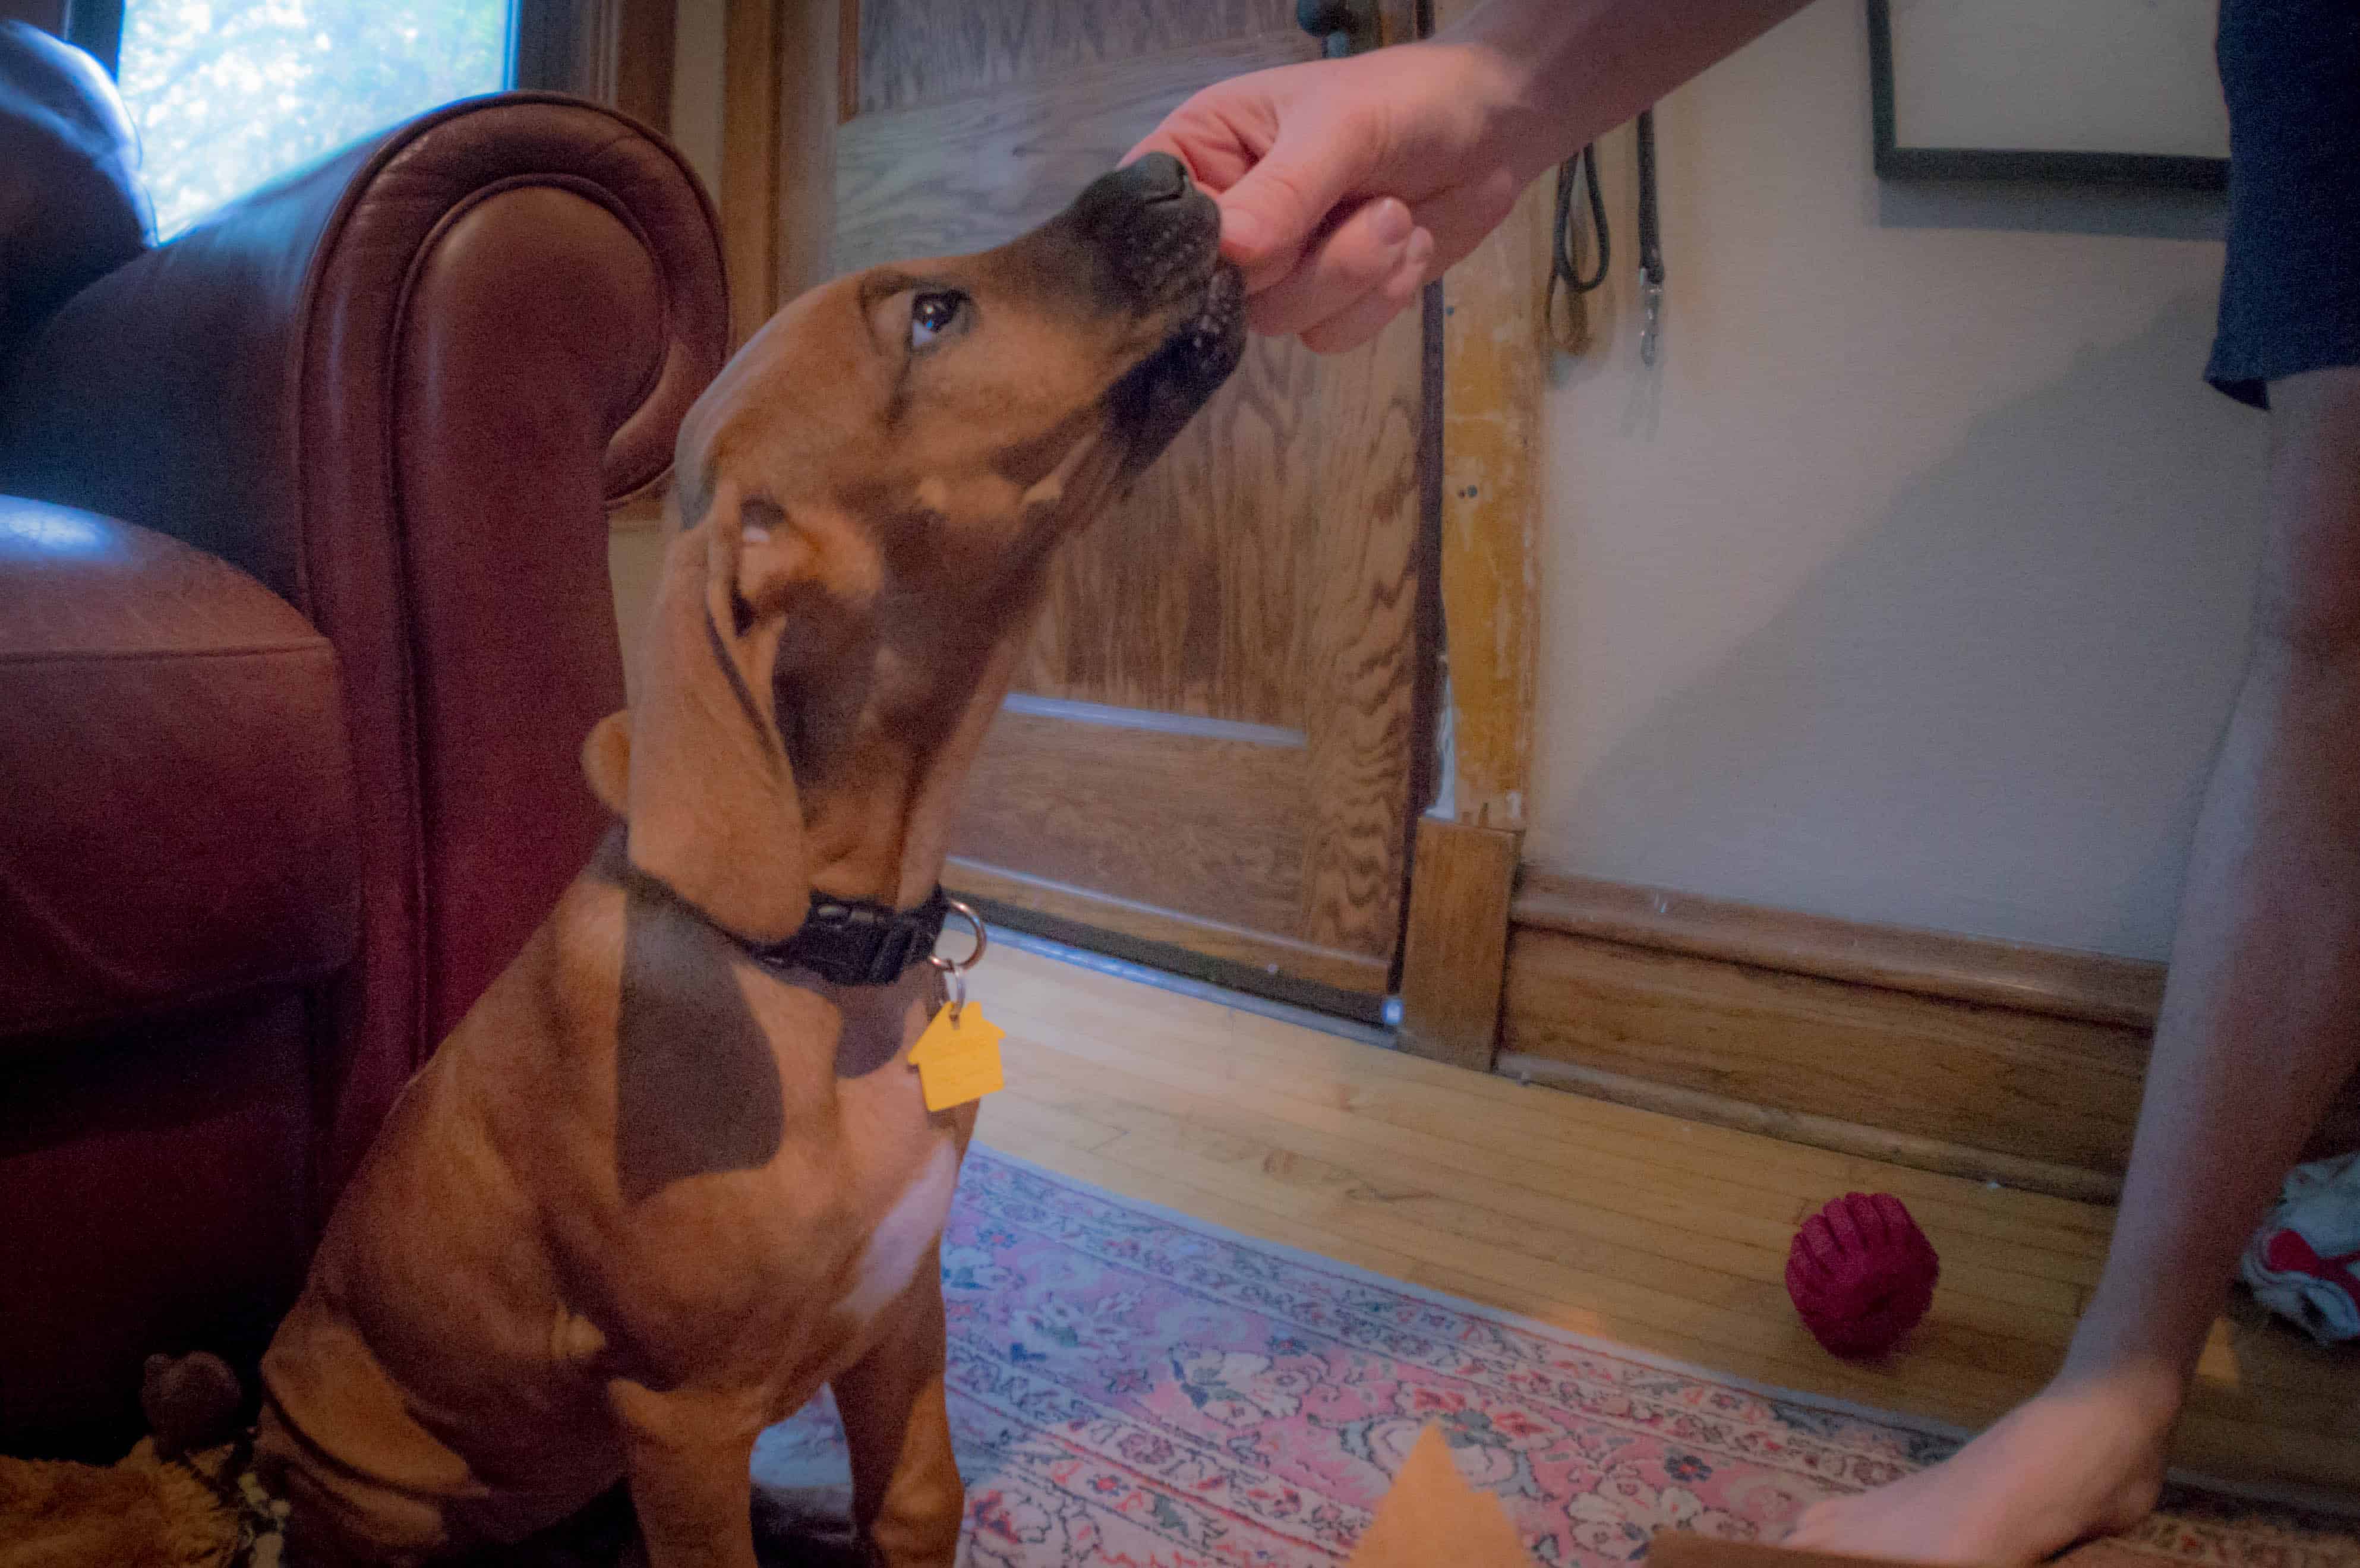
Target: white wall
1912, 586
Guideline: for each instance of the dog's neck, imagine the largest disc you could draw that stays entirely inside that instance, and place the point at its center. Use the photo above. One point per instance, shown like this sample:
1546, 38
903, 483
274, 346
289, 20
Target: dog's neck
871, 1021
877, 823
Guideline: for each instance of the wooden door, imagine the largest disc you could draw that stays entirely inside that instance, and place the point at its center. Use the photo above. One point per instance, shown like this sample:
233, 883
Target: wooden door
1212, 753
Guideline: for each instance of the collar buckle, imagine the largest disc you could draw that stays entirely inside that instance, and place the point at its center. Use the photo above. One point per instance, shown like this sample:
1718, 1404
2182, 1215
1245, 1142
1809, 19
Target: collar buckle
856, 943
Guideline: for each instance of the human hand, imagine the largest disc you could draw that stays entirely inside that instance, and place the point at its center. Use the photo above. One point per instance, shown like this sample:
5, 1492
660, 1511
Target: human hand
1346, 185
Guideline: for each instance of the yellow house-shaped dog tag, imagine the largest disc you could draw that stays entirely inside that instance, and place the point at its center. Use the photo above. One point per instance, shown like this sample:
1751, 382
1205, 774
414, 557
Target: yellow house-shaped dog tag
957, 1058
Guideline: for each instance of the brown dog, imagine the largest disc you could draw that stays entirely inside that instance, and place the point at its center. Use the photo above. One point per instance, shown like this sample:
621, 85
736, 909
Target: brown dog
668, 1177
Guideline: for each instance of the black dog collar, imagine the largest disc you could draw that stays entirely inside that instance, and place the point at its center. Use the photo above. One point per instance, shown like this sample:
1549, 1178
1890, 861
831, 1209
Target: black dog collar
857, 943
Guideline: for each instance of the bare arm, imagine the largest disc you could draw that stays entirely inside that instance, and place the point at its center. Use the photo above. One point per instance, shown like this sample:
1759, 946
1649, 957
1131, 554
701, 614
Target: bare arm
1345, 185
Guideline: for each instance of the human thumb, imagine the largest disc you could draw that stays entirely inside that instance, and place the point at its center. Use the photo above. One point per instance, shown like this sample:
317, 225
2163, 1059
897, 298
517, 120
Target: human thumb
1274, 209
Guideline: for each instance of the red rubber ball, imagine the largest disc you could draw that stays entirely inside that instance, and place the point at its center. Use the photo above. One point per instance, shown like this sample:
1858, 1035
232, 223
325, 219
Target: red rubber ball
1861, 1274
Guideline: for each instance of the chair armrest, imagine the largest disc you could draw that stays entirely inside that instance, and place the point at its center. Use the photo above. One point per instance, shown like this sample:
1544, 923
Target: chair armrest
401, 388
526, 260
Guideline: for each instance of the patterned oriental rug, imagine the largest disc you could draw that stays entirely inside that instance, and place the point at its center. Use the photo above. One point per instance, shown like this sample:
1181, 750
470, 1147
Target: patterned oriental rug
1132, 1388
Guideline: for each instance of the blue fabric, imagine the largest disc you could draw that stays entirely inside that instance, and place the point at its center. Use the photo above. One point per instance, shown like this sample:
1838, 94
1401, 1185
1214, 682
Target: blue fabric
2290, 295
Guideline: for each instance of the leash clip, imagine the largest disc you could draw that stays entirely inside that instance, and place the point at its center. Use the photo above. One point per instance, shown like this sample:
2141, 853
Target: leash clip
952, 976
1652, 293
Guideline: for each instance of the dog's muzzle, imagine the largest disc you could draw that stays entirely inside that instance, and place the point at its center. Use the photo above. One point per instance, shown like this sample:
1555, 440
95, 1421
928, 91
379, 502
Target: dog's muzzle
1156, 242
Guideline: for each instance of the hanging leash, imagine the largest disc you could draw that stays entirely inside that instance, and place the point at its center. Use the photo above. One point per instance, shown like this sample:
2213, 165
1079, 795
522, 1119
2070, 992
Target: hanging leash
1564, 267
1651, 243
1580, 171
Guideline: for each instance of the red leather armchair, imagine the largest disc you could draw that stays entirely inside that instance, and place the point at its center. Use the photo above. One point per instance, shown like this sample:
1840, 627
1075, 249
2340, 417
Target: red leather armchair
303, 617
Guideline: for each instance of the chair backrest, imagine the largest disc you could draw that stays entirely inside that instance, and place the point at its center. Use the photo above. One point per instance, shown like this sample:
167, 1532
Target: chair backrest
71, 206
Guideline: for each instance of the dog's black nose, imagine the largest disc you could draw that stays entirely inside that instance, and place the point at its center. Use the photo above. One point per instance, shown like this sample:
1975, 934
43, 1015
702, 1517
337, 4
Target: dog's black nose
1145, 230
1158, 177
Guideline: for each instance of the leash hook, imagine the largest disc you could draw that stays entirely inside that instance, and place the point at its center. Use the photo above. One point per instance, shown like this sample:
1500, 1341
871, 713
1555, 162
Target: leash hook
952, 975
1652, 292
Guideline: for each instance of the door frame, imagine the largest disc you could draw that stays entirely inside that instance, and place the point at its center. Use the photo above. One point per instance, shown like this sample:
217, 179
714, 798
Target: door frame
783, 96
1495, 350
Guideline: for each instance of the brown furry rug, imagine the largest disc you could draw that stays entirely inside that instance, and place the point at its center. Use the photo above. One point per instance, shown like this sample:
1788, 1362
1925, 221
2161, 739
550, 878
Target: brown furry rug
208, 1510
146, 1512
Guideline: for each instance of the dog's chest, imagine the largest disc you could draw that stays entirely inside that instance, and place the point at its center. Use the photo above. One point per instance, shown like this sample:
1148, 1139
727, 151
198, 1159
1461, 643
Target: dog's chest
898, 1243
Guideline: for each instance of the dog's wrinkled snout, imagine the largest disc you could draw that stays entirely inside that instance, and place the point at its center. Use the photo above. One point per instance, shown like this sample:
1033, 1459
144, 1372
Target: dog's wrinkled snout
1156, 235
1144, 242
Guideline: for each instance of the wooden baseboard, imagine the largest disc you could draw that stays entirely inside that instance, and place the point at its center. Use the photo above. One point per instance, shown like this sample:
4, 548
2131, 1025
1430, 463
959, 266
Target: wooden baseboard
2092, 987
1984, 1058
1977, 1077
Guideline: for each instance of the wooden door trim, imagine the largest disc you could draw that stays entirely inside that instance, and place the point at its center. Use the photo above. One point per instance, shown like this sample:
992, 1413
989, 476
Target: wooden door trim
1493, 350
1494, 347
781, 65
752, 81
620, 53
847, 60
617, 53
816, 44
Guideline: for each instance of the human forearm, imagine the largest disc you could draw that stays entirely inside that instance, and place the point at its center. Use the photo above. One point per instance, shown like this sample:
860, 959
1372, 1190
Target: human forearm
1347, 184
1564, 72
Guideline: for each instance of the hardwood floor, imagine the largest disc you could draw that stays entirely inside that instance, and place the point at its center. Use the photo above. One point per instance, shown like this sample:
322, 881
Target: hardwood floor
1637, 1228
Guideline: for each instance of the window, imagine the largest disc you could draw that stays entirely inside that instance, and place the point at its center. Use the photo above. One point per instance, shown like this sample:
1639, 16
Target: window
227, 93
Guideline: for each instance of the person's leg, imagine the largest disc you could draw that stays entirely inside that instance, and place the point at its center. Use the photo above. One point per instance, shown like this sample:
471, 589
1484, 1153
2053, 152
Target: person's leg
2261, 1024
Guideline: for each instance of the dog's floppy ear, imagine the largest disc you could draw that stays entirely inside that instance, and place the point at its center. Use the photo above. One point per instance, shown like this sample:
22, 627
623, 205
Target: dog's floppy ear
709, 797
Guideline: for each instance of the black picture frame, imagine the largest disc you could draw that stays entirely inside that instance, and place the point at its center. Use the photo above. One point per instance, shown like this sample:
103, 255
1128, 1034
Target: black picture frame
1897, 162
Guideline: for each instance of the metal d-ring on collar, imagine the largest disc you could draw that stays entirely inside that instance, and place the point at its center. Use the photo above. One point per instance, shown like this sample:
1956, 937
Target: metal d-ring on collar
953, 976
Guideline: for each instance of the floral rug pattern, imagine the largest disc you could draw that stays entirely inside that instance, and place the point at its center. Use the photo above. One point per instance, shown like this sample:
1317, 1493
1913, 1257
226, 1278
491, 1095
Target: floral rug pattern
1133, 1389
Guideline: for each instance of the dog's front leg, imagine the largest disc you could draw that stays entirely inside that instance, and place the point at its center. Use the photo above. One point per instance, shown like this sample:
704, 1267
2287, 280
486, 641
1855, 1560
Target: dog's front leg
689, 1455
907, 1501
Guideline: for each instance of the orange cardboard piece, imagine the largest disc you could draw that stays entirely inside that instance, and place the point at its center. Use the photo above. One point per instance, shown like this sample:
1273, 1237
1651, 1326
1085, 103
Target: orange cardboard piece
1432, 1515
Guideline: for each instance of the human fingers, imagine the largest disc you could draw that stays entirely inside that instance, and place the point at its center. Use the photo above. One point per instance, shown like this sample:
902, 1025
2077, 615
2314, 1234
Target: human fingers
1281, 205
1215, 149
1367, 316
1355, 256
1461, 217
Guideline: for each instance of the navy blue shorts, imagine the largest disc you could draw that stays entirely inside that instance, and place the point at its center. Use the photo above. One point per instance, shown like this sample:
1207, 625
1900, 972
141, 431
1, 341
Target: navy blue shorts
2290, 293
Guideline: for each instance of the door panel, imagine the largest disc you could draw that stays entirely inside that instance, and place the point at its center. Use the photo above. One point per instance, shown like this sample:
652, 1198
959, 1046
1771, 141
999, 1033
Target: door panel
942, 179
1212, 745
923, 51
1056, 797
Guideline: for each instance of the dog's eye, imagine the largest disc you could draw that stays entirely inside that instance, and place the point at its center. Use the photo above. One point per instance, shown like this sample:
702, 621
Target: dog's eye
931, 315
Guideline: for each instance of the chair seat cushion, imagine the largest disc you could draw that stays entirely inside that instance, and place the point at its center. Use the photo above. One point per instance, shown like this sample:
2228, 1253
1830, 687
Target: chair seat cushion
179, 823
